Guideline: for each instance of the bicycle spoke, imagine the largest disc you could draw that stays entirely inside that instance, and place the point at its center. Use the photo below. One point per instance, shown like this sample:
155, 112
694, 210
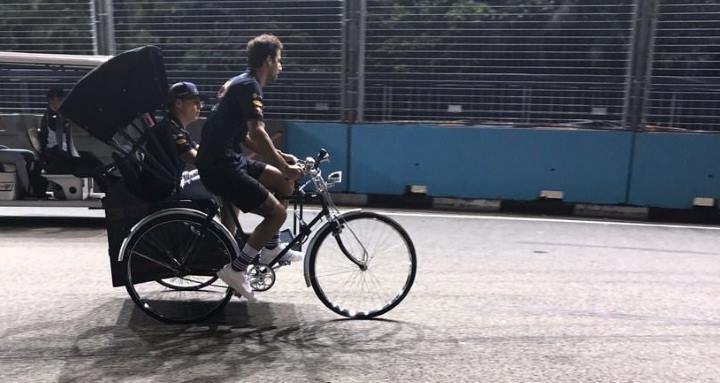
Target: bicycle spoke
384, 251
157, 262
150, 241
194, 294
328, 274
388, 266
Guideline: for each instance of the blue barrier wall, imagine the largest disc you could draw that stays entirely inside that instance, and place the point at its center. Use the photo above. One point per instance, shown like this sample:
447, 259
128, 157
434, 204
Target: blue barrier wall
305, 139
670, 169
475, 162
588, 166
486, 162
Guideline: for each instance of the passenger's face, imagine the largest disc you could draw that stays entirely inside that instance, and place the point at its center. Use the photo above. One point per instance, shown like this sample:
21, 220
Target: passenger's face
54, 103
188, 109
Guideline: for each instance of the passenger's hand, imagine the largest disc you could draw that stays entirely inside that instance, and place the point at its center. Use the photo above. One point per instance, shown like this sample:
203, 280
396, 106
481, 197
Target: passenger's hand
293, 172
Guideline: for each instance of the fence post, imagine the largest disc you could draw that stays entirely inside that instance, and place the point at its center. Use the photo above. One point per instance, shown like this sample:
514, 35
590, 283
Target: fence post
639, 67
103, 27
353, 78
638, 77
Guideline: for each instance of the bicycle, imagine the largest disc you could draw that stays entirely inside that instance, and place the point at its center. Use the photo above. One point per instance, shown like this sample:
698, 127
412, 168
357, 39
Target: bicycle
360, 264
167, 253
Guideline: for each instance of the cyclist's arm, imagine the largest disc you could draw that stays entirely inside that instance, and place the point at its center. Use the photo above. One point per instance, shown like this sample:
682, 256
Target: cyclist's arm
258, 140
250, 145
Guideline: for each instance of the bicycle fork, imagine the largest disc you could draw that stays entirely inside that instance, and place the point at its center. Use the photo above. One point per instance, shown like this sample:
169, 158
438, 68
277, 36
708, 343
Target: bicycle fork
337, 230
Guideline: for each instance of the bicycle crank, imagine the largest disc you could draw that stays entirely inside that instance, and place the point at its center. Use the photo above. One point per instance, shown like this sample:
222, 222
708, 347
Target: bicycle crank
262, 277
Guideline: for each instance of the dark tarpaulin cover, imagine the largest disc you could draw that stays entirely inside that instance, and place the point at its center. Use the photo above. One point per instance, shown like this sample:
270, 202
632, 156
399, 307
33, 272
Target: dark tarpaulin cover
111, 96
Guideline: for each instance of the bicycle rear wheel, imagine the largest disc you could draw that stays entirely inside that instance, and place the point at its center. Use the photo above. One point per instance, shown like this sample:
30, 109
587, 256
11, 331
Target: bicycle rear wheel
364, 266
186, 283
171, 261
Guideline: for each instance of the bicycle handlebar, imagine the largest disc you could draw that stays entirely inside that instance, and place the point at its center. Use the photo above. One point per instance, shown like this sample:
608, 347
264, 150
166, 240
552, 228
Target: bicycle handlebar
312, 163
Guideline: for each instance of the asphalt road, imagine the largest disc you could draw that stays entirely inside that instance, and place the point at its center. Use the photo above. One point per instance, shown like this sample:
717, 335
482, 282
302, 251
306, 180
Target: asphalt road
497, 299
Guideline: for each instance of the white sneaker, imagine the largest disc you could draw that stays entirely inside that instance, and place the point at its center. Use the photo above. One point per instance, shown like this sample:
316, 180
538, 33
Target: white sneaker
238, 281
267, 255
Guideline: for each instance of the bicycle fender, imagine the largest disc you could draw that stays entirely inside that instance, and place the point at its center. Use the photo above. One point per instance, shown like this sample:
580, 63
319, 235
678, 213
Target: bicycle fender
311, 245
175, 210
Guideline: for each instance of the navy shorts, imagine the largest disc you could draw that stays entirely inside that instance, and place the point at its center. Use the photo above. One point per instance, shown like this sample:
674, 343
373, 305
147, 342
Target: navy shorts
239, 185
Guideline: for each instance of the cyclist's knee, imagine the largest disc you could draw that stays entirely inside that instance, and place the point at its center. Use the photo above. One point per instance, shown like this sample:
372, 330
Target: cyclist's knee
287, 187
279, 212
272, 209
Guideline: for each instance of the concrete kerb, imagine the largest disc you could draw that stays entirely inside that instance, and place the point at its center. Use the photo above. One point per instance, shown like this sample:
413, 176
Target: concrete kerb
493, 205
637, 213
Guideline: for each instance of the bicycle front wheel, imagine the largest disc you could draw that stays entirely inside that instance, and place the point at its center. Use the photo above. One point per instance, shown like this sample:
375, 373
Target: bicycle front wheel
362, 267
170, 264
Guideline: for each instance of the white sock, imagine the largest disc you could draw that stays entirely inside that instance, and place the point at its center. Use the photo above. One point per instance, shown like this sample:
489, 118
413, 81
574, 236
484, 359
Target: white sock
246, 256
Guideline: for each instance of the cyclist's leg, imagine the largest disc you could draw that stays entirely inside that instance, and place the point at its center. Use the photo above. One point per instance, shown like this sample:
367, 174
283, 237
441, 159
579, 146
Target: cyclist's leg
275, 181
274, 214
249, 195
226, 215
246, 192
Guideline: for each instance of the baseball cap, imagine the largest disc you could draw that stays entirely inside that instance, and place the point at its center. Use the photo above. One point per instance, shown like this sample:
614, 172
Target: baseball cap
183, 89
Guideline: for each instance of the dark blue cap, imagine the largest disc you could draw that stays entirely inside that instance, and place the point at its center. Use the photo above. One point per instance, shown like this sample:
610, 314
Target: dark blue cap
183, 89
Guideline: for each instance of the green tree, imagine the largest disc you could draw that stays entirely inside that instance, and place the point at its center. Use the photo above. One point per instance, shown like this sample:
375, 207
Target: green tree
45, 26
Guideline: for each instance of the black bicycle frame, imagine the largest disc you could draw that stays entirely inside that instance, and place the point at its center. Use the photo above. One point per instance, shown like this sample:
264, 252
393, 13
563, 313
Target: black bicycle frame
301, 230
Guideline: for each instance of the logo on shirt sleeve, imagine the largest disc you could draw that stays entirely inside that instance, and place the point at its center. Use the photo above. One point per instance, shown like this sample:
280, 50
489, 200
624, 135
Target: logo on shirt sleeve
257, 104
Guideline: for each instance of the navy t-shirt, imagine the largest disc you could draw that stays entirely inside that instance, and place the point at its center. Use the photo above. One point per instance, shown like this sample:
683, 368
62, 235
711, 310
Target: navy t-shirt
184, 142
240, 100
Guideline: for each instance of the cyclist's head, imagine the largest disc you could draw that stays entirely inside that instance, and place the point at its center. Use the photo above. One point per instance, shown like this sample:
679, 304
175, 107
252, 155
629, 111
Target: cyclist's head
185, 102
263, 47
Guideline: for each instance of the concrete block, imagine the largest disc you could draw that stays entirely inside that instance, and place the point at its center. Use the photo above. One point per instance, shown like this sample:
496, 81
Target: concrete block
465, 204
632, 212
349, 199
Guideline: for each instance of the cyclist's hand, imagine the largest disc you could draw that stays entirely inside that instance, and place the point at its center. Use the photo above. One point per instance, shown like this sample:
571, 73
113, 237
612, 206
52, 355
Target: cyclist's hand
293, 172
289, 158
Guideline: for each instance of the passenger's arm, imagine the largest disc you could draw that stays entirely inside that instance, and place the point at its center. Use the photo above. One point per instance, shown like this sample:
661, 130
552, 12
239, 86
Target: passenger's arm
189, 156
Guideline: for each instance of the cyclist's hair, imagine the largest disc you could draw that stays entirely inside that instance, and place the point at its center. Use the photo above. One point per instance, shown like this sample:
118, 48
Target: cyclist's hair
262, 47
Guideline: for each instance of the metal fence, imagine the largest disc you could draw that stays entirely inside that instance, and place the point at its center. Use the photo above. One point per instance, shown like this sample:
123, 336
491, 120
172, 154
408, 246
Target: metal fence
626, 64
529, 62
684, 87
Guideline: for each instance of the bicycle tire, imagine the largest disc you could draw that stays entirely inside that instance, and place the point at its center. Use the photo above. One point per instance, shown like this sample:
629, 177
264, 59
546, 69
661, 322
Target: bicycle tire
327, 264
173, 283
152, 253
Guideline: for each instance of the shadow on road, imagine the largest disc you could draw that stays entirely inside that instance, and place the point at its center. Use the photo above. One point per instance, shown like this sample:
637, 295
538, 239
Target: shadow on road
243, 340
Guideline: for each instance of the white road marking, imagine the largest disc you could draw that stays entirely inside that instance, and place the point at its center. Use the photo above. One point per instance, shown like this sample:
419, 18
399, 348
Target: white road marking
529, 219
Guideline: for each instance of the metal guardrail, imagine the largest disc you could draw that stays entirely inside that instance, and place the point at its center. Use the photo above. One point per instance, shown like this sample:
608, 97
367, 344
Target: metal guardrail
620, 64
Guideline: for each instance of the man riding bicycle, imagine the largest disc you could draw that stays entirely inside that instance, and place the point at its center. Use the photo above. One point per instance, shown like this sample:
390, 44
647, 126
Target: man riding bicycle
237, 121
